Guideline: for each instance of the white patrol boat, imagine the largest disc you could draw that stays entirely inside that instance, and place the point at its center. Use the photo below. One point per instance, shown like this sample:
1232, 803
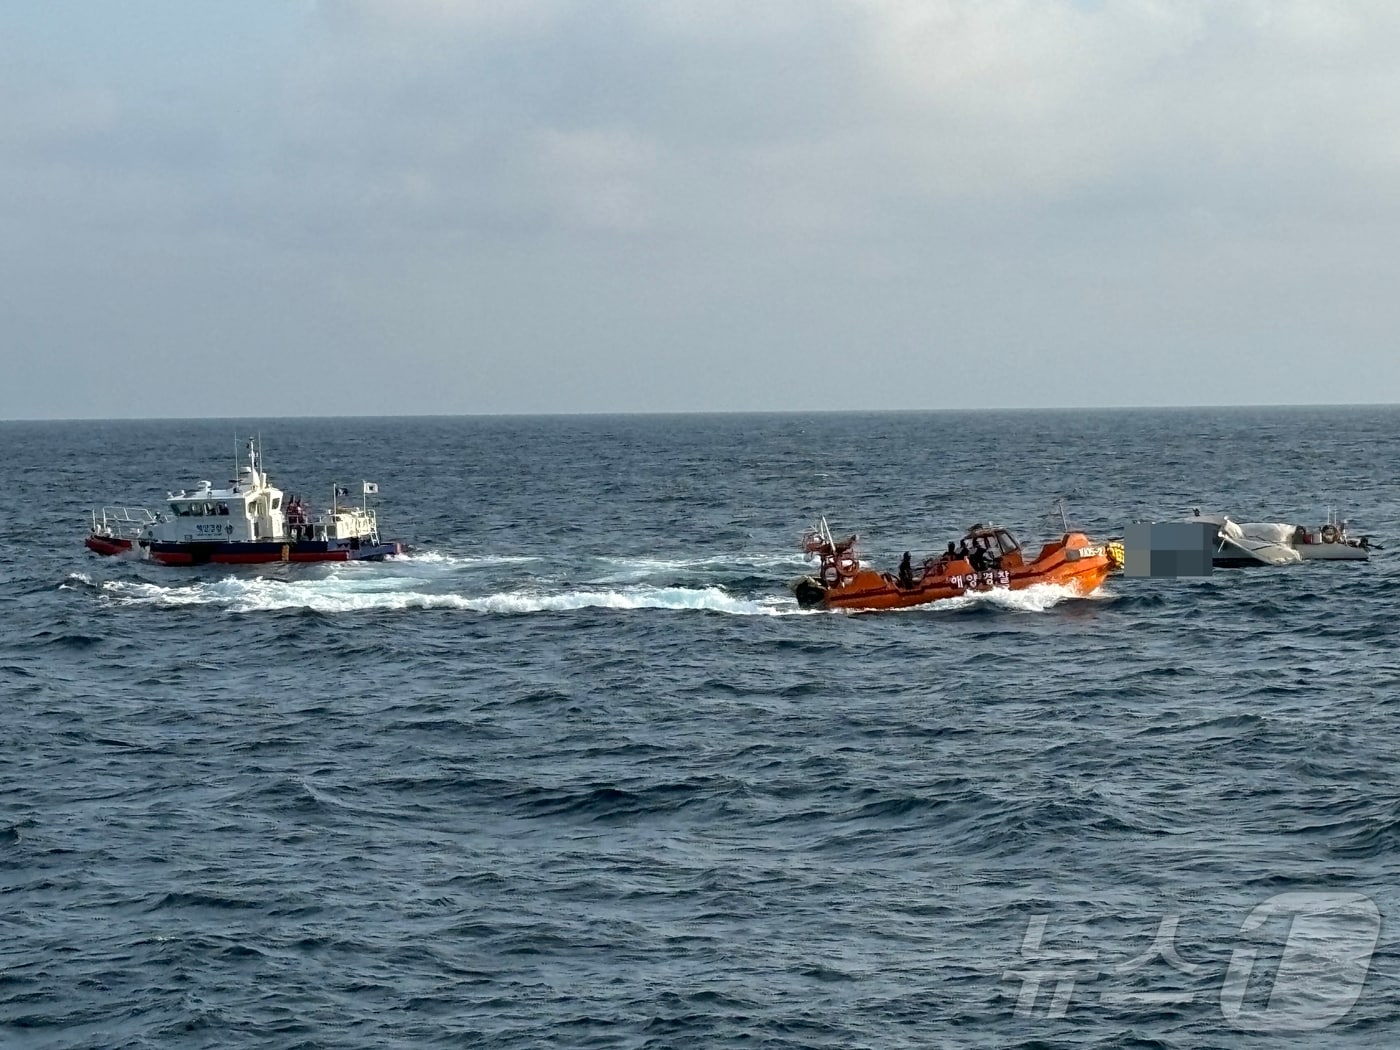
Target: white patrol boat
248, 522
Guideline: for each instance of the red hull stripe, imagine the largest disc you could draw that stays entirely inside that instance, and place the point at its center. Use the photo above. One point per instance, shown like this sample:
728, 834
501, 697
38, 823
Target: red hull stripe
264, 553
183, 558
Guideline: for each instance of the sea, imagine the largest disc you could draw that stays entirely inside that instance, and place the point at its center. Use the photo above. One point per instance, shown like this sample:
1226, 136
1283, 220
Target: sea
575, 770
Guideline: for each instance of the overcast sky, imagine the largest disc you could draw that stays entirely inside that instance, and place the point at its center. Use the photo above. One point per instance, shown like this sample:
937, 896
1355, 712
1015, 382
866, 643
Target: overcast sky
422, 206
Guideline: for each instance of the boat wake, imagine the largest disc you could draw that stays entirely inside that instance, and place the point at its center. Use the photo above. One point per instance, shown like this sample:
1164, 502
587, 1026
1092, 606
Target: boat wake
433, 580
336, 594
608, 569
602, 570
358, 592
459, 561
1039, 597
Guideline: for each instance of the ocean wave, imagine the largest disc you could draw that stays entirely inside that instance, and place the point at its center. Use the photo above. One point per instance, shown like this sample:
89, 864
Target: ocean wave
461, 560
339, 595
750, 571
359, 591
713, 599
1039, 597
625, 567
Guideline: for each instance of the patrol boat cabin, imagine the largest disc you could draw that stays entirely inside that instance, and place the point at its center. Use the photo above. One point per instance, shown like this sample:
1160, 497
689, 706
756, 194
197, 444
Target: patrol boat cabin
248, 522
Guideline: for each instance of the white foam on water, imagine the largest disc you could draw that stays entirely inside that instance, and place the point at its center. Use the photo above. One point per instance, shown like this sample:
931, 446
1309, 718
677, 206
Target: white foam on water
1038, 597
634, 568
438, 558
750, 560
712, 599
343, 595
74, 581
355, 592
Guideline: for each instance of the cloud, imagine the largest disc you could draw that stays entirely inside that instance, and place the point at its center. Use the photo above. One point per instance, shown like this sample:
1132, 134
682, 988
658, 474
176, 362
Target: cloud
432, 18
1056, 98
771, 184
783, 112
596, 179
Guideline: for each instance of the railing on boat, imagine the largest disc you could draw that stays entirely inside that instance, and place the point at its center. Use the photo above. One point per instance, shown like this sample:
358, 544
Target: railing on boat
121, 521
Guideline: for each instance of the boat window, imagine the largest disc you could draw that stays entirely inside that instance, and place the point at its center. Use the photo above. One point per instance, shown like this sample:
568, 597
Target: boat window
1007, 542
197, 509
209, 509
276, 502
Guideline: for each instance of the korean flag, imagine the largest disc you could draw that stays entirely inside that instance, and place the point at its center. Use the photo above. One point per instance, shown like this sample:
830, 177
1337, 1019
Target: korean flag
371, 488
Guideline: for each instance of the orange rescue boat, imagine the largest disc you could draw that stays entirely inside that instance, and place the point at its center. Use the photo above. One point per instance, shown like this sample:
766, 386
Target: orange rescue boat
987, 557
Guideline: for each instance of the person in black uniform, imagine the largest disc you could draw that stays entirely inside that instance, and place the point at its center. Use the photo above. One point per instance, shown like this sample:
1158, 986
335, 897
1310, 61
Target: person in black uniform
906, 572
978, 556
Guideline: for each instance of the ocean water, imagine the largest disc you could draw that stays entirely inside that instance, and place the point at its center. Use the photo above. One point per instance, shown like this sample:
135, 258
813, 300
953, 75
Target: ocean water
577, 772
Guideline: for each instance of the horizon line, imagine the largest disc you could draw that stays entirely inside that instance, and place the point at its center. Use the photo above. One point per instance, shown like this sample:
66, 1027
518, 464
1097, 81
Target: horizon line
643, 413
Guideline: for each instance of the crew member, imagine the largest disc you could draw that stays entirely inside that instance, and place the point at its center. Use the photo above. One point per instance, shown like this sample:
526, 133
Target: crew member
906, 572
